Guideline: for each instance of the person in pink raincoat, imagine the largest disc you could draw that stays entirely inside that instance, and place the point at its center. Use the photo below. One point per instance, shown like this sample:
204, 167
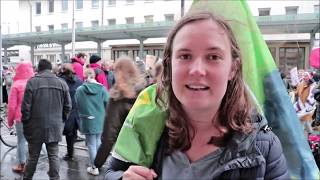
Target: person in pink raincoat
77, 64
95, 64
24, 71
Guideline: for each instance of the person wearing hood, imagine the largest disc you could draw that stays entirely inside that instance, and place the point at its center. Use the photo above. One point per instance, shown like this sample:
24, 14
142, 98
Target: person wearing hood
212, 130
72, 123
129, 82
91, 100
77, 64
24, 72
95, 64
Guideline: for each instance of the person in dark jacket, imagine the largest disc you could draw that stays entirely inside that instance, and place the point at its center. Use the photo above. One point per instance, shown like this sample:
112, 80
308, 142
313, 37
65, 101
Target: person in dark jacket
71, 125
212, 130
129, 82
46, 103
106, 66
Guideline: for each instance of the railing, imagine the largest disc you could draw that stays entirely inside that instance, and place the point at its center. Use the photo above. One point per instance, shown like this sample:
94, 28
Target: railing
97, 28
284, 18
261, 20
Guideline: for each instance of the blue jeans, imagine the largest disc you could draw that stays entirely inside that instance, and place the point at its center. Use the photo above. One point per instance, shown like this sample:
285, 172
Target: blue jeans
21, 145
93, 142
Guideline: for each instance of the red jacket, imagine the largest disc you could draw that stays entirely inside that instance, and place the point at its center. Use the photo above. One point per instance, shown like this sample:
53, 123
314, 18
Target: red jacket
24, 72
100, 77
77, 64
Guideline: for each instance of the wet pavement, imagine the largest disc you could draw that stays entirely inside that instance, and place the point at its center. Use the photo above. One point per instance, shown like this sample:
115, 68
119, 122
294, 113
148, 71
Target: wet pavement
73, 170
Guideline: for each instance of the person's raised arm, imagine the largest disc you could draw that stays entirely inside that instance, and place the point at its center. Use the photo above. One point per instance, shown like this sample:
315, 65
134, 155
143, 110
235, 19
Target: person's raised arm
117, 169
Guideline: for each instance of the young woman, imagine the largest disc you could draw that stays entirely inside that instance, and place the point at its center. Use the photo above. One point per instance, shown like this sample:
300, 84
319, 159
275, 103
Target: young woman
71, 124
24, 72
91, 100
212, 130
129, 82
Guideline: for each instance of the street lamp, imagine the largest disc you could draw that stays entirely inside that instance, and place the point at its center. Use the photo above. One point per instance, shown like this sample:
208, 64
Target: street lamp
1, 68
182, 8
73, 30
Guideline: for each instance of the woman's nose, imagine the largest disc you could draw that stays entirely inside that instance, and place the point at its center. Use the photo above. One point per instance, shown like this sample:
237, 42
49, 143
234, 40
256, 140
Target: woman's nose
198, 67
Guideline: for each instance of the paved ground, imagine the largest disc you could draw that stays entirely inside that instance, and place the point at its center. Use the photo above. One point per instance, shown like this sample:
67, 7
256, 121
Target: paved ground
74, 170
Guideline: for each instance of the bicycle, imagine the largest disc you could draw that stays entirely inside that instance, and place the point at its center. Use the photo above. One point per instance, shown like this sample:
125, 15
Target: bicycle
8, 135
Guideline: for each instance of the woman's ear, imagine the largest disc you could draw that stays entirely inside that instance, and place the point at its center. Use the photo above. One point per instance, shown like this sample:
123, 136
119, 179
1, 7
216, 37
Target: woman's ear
234, 68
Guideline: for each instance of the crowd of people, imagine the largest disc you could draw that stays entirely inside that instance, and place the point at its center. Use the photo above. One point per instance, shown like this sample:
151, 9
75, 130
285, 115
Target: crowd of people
305, 96
49, 101
212, 121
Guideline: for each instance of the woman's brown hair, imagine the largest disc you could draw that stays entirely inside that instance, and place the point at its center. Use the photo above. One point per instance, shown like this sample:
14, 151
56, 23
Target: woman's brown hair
235, 109
128, 79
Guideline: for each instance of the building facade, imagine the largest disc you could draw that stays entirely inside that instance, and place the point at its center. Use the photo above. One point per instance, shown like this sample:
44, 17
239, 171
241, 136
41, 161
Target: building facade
288, 50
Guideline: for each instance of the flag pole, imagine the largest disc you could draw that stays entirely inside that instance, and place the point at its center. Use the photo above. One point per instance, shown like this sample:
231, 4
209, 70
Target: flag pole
1, 68
73, 30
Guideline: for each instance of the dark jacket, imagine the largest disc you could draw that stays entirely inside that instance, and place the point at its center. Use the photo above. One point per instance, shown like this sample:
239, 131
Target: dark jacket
257, 155
45, 104
117, 111
72, 123
110, 78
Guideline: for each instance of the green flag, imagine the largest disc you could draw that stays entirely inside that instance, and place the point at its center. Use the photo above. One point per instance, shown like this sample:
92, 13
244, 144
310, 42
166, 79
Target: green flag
138, 138
264, 81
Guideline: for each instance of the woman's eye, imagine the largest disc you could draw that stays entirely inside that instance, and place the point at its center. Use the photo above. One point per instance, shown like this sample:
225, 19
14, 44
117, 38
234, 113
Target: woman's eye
185, 57
214, 57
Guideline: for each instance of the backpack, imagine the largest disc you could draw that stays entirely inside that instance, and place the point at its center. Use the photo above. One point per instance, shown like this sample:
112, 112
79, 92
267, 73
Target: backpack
97, 71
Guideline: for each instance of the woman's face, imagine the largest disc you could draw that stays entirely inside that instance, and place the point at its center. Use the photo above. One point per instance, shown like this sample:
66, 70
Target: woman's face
201, 65
306, 77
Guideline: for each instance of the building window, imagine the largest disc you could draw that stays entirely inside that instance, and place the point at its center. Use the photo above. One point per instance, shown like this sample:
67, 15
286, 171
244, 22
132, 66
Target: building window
316, 8
111, 2
79, 4
38, 28
169, 17
129, 2
158, 52
51, 6
64, 26
94, 3
111, 22
65, 58
64, 5
38, 7
37, 57
290, 57
95, 23
51, 27
264, 11
273, 52
79, 25
148, 19
129, 20
51, 58
292, 10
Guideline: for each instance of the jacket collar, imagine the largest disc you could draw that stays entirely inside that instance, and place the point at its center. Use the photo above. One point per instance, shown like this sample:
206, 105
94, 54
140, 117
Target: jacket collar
45, 73
241, 151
